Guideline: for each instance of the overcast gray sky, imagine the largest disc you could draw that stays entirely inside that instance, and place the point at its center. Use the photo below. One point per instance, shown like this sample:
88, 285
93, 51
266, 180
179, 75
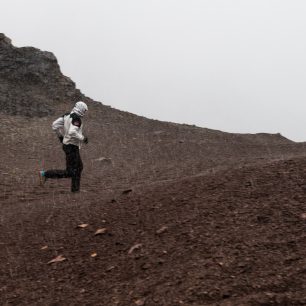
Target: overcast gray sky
233, 65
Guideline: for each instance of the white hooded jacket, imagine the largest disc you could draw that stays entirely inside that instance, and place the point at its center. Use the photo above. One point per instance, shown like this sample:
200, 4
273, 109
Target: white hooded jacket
70, 125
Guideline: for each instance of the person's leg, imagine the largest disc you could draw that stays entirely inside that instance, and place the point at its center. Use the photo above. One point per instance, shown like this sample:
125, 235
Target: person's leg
75, 183
76, 177
70, 158
57, 174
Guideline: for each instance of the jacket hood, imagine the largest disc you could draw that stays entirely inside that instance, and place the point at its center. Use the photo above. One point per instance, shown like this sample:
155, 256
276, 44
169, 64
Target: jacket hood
80, 108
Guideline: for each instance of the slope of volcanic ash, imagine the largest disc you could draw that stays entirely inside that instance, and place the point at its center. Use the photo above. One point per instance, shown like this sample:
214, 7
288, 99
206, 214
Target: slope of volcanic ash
168, 214
233, 238
124, 149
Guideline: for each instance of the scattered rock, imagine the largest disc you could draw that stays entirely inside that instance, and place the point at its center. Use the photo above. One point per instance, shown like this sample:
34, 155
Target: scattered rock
248, 184
82, 225
162, 230
115, 300
155, 299
109, 269
100, 231
104, 160
134, 247
127, 191
263, 219
226, 295
161, 261
59, 258
140, 302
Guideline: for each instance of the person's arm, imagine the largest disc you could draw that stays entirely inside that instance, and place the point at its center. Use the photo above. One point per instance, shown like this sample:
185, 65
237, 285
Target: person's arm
58, 127
75, 131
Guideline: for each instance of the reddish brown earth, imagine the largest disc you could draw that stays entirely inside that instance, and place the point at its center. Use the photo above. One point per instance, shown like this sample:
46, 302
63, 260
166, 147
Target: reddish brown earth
192, 216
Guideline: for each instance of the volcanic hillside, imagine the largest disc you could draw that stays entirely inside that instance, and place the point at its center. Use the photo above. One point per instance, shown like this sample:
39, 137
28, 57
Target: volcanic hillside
190, 216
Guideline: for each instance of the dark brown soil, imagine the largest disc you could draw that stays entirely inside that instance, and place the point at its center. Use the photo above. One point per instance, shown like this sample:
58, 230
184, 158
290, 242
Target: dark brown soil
204, 235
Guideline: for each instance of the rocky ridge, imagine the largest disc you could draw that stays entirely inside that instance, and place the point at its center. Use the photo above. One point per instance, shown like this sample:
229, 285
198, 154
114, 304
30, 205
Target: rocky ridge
31, 81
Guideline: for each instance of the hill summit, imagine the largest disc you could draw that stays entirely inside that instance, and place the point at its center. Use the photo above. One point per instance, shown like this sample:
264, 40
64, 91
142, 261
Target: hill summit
31, 81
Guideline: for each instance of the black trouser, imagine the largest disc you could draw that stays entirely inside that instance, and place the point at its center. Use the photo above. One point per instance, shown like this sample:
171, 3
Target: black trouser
74, 167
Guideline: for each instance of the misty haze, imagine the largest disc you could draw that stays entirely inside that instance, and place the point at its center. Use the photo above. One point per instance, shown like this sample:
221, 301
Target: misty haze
236, 66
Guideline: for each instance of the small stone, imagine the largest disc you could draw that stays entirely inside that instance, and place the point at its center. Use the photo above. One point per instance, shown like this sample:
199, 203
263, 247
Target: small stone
134, 247
104, 159
162, 230
59, 258
140, 302
127, 191
100, 231
110, 268
83, 225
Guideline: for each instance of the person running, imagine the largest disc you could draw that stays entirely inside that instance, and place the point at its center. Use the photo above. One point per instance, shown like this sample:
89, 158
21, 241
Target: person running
69, 131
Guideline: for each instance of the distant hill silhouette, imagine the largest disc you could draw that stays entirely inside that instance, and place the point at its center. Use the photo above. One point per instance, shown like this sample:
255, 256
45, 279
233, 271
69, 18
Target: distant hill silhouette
31, 82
